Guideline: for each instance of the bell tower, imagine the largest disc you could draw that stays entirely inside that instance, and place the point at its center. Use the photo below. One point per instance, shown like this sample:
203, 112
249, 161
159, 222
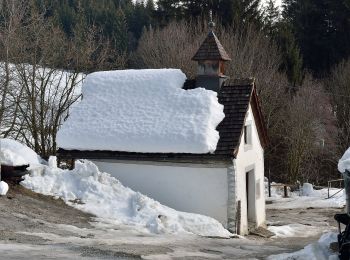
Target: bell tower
211, 57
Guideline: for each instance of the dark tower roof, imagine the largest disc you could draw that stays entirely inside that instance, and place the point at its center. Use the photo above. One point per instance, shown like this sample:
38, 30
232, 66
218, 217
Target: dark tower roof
211, 49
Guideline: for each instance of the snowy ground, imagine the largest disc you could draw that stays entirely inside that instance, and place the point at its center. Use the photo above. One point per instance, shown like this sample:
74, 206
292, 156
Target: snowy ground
315, 251
308, 215
119, 223
46, 228
306, 198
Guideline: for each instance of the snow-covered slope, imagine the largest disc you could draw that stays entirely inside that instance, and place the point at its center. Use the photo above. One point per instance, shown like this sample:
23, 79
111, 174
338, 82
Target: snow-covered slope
316, 251
90, 190
142, 111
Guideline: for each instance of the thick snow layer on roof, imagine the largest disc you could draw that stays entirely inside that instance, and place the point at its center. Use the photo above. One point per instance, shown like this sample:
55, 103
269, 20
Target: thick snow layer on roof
13, 153
104, 196
142, 111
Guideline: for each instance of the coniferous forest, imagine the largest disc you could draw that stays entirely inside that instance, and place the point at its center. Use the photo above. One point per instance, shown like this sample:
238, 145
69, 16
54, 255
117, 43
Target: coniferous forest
298, 53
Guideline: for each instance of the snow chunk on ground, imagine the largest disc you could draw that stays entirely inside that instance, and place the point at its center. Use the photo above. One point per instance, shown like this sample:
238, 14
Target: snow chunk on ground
142, 111
308, 189
104, 196
13, 153
316, 251
344, 162
293, 230
3, 188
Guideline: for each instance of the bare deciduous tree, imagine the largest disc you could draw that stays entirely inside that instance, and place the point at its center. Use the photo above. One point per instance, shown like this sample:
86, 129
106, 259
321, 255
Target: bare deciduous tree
45, 73
11, 13
339, 87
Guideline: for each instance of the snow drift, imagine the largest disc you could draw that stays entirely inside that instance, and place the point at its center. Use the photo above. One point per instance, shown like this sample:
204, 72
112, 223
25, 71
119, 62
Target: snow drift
344, 162
142, 111
13, 153
316, 251
90, 190
4, 187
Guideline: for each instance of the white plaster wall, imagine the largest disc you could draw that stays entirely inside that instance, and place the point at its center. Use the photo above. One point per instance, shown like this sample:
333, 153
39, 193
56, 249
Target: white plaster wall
251, 157
191, 189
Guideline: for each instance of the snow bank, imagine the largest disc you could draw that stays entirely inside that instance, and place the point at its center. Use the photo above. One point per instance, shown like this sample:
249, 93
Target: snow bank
142, 111
344, 162
3, 188
293, 230
90, 190
317, 251
310, 198
13, 153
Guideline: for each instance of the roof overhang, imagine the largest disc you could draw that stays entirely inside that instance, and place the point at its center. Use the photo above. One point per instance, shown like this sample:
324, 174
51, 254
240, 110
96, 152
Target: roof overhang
145, 157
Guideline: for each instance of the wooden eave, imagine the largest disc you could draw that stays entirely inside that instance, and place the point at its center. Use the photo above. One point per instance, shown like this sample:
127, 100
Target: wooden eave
259, 119
145, 157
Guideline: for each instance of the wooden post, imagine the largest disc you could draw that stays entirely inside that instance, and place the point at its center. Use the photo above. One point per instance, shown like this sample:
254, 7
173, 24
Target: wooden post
58, 162
0, 163
285, 191
238, 218
72, 164
269, 184
328, 189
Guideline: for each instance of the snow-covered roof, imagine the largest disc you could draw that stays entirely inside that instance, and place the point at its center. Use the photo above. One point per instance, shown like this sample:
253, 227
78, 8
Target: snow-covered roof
144, 111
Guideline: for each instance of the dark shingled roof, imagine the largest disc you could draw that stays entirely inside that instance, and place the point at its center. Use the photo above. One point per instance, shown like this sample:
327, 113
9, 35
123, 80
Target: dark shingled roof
235, 99
211, 49
235, 95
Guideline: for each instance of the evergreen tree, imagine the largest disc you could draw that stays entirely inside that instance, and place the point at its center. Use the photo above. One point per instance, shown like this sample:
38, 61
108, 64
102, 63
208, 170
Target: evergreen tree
65, 16
139, 20
150, 12
322, 30
271, 17
292, 62
237, 12
168, 10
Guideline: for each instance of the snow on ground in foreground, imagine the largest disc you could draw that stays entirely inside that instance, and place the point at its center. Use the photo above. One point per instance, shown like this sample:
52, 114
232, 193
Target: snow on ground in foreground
3, 188
104, 196
316, 251
13, 153
142, 111
307, 198
293, 230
